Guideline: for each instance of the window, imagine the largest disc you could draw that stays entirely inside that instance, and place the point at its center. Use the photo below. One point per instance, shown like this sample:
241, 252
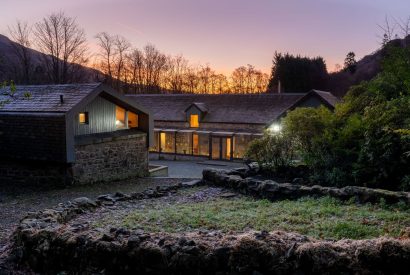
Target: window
194, 121
83, 118
119, 117
132, 120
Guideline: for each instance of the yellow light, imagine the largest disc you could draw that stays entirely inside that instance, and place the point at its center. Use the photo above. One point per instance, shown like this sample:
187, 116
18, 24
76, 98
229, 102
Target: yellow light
194, 121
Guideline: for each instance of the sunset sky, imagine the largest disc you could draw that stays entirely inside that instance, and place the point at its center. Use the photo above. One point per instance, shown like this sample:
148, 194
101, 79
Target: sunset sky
227, 33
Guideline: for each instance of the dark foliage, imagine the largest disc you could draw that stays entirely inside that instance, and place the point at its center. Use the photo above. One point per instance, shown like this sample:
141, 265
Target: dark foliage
297, 74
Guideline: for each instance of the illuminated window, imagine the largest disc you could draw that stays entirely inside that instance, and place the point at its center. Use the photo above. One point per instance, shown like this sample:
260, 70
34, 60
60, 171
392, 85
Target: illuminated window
83, 118
194, 121
119, 117
132, 120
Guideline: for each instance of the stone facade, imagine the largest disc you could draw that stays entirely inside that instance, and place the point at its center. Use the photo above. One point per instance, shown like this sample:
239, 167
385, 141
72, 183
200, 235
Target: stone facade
110, 158
102, 159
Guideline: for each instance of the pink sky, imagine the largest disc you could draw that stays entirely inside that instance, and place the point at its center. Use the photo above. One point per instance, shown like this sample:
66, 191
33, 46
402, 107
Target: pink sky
227, 33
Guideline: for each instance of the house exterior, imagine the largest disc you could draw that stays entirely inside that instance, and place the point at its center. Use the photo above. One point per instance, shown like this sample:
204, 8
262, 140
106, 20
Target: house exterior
219, 127
77, 133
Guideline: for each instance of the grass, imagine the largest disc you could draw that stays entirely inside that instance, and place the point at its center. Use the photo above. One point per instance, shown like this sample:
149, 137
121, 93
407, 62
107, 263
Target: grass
320, 218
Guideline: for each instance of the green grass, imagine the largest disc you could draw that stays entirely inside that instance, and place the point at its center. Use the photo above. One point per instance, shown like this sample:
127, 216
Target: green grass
320, 218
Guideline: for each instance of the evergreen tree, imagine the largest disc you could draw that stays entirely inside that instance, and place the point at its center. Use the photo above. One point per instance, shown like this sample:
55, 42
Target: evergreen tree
297, 74
350, 63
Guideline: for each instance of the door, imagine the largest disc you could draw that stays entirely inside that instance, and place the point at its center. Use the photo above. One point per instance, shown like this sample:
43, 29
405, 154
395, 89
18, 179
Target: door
221, 148
195, 144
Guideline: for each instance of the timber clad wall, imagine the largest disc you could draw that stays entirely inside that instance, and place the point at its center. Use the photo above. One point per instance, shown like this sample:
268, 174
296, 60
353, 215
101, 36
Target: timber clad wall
101, 114
33, 137
109, 159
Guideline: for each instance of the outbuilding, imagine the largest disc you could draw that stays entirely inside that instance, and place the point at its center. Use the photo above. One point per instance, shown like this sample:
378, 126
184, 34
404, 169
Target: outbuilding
75, 133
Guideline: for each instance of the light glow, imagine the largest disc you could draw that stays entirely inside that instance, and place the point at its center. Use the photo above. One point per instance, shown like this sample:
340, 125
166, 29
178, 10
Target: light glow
275, 128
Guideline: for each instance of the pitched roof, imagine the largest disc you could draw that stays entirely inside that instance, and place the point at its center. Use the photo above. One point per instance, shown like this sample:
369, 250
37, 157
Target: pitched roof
200, 105
328, 97
228, 108
44, 98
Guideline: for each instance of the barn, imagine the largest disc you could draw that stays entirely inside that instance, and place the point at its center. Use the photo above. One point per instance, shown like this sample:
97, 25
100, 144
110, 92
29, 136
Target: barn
219, 127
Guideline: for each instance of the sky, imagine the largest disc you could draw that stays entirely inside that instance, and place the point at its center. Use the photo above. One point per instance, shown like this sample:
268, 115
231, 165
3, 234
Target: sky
226, 34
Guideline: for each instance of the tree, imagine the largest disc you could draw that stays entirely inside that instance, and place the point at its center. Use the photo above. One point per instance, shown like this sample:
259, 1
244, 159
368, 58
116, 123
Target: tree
64, 44
21, 36
350, 63
106, 43
121, 46
297, 74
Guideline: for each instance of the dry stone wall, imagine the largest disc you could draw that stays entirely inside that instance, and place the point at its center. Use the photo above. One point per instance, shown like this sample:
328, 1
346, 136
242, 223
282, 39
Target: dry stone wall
238, 180
111, 158
44, 243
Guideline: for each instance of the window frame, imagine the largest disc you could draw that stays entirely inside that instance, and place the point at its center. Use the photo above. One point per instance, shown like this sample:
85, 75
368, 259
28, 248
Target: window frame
190, 121
86, 118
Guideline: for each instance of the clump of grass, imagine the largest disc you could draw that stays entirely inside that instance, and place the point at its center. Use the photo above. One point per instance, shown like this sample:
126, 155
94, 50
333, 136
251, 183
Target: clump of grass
321, 218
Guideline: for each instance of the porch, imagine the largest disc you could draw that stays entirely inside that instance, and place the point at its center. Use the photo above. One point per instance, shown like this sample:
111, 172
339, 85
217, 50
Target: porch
186, 144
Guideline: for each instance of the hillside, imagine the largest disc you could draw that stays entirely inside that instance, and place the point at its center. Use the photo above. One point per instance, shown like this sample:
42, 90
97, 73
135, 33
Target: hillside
9, 67
367, 68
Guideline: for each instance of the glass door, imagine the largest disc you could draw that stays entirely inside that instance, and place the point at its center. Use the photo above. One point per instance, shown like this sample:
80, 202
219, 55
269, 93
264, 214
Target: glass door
221, 148
226, 151
216, 148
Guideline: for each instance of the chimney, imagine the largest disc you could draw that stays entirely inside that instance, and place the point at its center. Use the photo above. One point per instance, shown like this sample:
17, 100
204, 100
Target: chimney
61, 99
279, 87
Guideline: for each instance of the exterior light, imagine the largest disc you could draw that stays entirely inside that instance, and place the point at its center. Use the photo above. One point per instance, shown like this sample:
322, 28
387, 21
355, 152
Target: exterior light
275, 128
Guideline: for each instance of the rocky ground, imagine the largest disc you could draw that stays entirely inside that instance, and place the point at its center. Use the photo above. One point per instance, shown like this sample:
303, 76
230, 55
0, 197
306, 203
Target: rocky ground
15, 203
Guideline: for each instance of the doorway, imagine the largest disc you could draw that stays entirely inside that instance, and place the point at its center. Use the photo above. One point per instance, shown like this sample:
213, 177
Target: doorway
221, 148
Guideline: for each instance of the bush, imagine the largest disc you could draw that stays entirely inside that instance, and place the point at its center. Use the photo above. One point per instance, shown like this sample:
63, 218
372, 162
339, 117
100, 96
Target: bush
274, 152
366, 140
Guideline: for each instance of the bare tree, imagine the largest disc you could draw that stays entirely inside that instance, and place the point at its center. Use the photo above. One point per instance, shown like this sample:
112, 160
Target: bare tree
388, 29
21, 36
121, 46
106, 53
176, 71
155, 65
191, 80
64, 44
135, 64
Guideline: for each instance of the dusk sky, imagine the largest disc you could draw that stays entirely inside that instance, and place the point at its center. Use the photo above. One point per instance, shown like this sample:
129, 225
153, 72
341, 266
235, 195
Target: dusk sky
227, 33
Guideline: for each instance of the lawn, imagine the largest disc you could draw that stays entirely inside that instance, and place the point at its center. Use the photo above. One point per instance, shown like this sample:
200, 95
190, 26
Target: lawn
324, 218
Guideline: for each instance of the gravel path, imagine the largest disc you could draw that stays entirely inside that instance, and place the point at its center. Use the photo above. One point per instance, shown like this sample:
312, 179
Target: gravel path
15, 203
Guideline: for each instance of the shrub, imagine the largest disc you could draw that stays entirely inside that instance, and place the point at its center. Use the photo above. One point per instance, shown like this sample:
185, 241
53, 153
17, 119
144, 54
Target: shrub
274, 152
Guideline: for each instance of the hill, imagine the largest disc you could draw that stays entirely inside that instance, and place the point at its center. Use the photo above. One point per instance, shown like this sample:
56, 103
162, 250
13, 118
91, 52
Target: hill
367, 68
11, 70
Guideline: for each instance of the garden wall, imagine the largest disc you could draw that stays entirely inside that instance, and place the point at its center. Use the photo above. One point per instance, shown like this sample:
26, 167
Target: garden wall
236, 179
110, 158
46, 244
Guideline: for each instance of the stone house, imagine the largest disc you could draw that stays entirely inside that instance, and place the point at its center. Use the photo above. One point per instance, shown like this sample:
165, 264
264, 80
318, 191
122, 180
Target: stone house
76, 133
219, 127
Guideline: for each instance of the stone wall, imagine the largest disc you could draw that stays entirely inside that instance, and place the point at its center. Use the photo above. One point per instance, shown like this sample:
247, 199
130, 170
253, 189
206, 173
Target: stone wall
110, 158
98, 159
240, 180
45, 243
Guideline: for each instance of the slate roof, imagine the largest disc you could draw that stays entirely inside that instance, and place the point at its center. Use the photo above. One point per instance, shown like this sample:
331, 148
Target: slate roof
200, 105
226, 108
232, 108
45, 98
329, 97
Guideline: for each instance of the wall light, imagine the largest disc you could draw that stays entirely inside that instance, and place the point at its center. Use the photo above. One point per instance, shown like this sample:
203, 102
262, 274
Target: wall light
275, 128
